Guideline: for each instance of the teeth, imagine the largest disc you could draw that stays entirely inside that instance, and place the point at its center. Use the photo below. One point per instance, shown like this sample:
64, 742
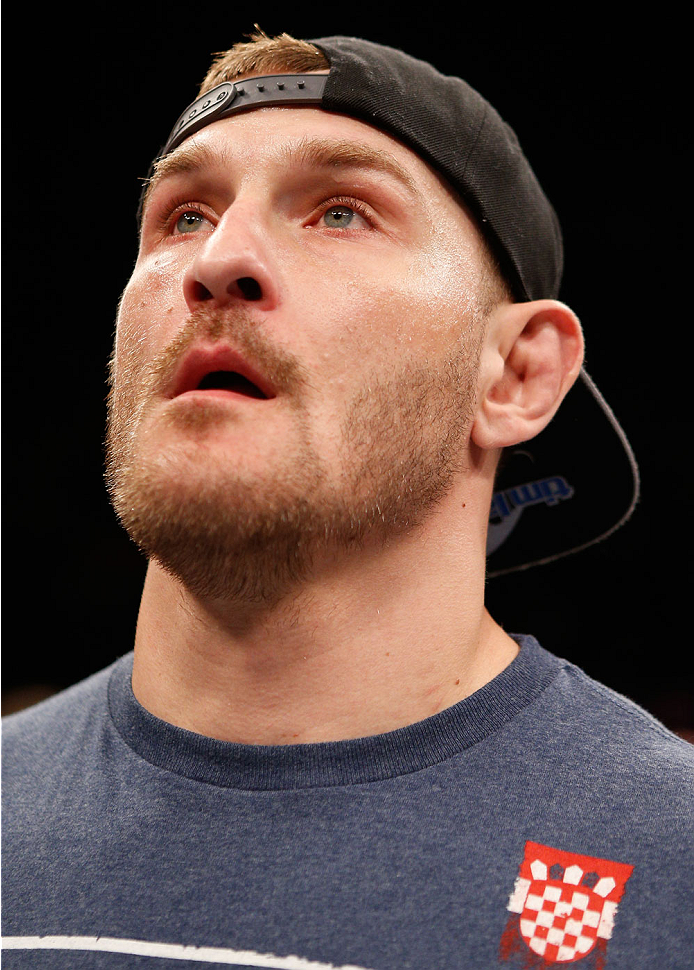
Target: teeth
229, 381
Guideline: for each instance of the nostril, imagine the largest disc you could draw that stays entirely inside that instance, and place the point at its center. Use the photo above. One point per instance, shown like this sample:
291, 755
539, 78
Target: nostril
249, 287
200, 292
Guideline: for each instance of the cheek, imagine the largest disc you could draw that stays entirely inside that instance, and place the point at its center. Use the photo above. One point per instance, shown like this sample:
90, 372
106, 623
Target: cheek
376, 322
416, 308
444, 282
149, 312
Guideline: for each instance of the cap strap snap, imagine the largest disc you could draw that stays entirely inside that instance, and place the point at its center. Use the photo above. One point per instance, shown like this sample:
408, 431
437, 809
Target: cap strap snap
252, 92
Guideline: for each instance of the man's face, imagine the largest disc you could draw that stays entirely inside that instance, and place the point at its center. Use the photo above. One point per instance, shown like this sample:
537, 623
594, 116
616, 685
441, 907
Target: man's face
332, 264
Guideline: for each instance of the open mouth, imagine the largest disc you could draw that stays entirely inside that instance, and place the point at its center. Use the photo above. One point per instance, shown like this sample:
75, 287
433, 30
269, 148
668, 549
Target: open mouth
224, 380
220, 370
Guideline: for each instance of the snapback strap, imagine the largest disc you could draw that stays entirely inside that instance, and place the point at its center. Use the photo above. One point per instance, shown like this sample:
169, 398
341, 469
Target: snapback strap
253, 92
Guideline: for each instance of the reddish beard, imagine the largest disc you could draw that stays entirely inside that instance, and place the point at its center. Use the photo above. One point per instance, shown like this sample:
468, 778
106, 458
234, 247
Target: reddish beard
224, 532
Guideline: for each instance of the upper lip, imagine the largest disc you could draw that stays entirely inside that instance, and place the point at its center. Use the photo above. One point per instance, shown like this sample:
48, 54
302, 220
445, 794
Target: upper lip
201, 360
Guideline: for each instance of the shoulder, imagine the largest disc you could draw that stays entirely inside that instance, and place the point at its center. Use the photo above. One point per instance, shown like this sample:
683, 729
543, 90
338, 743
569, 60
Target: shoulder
618, 717
602, 734
36, 739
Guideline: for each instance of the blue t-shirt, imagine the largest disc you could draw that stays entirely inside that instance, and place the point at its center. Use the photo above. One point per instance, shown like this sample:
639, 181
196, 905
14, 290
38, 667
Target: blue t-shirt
543, 821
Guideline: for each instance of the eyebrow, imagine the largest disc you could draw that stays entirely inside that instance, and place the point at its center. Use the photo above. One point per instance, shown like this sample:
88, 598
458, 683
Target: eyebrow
307, 152
328, 153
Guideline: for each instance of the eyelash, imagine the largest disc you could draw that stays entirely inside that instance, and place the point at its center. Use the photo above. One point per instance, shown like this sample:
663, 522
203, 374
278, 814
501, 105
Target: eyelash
348, 203
168, 217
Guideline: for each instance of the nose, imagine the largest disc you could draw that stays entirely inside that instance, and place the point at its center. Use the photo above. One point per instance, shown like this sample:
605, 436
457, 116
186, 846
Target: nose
234, 263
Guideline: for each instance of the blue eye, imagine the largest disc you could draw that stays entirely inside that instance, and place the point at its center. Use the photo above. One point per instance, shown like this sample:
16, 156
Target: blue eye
189, 221
338, 217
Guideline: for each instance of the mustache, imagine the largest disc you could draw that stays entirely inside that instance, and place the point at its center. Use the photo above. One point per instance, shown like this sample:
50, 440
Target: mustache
237, 327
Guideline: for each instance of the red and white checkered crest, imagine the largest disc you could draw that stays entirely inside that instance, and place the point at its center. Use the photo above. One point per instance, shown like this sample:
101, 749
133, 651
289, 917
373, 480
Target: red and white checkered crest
566, 902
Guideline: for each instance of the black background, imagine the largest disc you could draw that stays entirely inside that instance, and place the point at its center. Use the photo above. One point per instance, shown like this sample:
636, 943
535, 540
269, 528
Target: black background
599, 107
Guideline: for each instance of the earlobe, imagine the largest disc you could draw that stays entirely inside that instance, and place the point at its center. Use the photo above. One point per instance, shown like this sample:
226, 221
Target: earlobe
532, 356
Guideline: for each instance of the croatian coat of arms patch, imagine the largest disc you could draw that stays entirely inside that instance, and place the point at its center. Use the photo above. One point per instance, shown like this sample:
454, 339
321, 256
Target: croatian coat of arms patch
564, 907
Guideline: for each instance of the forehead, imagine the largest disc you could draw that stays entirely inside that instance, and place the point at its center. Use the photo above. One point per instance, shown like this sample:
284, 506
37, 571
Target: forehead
281, 139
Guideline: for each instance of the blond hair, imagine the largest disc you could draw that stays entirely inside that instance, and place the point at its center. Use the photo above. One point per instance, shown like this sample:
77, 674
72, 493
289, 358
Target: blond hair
260, 55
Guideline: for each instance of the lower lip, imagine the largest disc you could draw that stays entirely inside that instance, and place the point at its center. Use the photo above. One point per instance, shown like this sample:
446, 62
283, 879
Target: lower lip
220, 395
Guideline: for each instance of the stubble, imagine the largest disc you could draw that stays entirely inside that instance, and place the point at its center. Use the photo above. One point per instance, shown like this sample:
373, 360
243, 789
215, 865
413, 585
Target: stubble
254, 539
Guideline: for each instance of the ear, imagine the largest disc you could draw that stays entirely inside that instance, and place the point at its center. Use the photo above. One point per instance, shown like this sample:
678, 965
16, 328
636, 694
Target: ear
532, 354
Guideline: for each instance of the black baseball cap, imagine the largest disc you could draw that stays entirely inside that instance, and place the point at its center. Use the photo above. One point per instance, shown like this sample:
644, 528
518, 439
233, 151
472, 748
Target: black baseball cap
578, 480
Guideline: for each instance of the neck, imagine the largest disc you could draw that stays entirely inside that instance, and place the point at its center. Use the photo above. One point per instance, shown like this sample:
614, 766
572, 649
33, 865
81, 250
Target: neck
377, 642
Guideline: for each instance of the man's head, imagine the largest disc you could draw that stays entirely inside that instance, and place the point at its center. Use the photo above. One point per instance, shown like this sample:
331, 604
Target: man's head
340, 270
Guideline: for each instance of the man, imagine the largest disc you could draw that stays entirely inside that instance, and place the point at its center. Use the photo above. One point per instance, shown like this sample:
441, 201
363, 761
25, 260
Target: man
323, 751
